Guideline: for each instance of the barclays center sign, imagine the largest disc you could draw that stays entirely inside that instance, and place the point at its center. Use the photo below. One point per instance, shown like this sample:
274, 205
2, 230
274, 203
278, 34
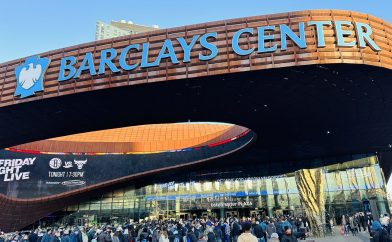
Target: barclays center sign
30, 75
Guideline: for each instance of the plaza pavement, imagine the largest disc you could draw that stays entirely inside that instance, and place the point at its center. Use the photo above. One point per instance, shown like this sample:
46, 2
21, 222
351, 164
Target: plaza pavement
337, 237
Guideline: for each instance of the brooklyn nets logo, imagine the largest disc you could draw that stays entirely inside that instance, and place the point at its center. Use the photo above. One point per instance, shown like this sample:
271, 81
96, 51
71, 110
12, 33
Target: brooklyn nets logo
55, 163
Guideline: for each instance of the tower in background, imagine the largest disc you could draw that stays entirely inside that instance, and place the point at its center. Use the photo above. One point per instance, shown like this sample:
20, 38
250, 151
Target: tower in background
119, 28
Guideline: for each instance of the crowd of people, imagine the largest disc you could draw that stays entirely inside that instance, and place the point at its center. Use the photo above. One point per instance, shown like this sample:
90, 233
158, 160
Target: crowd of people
285, 229
379, 230
282, 229
356, 223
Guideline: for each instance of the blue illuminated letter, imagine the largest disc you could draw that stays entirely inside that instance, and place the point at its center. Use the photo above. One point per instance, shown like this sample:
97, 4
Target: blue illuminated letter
64, 67
262, 38
123, 57
167, 46
320, 31
107, 60
187, 48
209, 46
145, 62
364, 37
285, 32
235, 42
87, 64
340, 33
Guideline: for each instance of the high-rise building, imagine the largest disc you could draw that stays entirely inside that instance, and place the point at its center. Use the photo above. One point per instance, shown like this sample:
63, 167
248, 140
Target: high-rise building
119, 28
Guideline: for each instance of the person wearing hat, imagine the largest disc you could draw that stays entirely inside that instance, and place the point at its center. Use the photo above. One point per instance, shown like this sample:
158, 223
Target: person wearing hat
247, 236
274, 238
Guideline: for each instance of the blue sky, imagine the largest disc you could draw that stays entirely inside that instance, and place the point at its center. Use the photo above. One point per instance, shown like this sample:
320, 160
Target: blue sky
31, 27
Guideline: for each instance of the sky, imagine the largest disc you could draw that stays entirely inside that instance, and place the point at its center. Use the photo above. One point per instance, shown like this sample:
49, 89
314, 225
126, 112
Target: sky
31, 27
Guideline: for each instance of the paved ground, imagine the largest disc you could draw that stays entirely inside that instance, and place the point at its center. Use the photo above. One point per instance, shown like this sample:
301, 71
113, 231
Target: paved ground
337, 237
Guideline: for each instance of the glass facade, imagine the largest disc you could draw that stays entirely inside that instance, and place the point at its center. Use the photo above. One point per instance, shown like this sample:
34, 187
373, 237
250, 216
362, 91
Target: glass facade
349, 187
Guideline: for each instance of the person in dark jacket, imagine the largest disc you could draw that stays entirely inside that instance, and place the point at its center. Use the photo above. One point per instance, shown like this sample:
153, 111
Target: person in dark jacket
236, 230
144, 235
91, 234
191, 235
270, 228
121, 236
56, 237
218, 232
379, 234
104, 236
258, 231
47, 237
33, 237
175, 237
64, 236
211, 236
288, 235
156, 233
73, 237
40, 236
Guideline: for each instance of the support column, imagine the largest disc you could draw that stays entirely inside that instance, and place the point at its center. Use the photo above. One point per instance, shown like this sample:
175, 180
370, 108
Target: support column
310, 184
178, 206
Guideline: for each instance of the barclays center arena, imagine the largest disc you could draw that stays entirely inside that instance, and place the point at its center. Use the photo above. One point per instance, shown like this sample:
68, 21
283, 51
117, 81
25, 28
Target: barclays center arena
281, 114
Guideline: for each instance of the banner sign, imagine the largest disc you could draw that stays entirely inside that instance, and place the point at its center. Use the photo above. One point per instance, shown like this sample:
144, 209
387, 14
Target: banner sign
31, 175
